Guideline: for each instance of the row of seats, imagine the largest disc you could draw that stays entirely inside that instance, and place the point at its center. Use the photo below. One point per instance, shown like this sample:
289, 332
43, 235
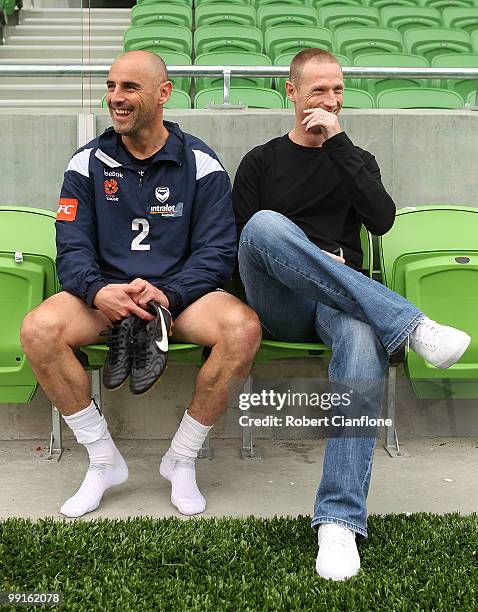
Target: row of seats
261, 97
402, 18
438, 4
349, 41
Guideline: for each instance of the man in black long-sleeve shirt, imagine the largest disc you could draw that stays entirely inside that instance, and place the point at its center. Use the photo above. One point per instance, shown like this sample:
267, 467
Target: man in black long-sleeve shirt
300, 201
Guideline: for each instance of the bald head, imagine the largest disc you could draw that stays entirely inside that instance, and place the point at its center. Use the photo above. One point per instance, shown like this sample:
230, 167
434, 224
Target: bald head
146, 63
319, 56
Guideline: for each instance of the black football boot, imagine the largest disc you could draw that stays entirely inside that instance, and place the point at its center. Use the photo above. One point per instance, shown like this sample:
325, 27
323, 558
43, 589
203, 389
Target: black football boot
149, 349
118, 361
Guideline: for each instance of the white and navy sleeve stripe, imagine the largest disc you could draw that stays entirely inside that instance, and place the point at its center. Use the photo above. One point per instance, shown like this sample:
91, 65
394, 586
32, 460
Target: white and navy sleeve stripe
205, 164
80, 162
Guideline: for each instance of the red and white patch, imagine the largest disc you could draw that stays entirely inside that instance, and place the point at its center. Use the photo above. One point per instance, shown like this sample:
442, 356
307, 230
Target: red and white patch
67, 208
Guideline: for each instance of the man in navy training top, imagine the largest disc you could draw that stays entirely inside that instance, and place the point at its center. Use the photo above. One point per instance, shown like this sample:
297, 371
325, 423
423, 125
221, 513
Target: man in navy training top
300, 201
145, 214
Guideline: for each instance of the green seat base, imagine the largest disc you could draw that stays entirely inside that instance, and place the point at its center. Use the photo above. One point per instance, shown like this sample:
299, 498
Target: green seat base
17, 394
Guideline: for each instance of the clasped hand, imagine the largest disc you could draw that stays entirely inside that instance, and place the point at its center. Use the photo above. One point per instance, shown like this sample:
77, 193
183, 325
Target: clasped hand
117, 301
318, 117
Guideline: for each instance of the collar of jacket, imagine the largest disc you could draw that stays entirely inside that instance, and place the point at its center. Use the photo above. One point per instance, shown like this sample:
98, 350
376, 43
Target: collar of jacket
111, 153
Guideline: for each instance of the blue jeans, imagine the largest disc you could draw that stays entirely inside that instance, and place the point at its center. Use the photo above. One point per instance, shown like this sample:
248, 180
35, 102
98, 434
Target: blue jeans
301, 294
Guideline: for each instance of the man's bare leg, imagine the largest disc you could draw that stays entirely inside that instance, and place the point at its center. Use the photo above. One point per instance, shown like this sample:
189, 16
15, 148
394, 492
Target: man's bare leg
233, 331
49, 334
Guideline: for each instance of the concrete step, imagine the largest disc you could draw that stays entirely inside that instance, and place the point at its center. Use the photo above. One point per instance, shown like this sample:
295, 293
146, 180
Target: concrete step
79, 104
59, 53
94, 23
93, 41
40, 92
46, 81
62, 31
75, 13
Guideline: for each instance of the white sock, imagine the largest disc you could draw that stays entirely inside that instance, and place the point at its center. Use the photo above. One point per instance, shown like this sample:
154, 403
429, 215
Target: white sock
178, 467
107, 466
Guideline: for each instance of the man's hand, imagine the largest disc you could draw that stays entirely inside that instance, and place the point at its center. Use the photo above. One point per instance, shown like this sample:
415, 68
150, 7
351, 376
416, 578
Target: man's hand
116, 303
142, 292
328, 122
336, 257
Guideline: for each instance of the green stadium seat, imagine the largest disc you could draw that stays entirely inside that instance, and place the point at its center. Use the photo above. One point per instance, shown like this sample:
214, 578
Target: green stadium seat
318, 4
175, 58
419, 97
442, 4
430, 256
472, 99
27, 277
457, 60
333, 16
158, 38
227, 38
285, 59
178, 99
461, 18
381, 4
289, 39
404, 18
272, 15
232, 58
474, 41
392, 60
253, 97
179, 2
198, 3
355, 40
8, 7
435, 41
225, 13
259, 3
162, 14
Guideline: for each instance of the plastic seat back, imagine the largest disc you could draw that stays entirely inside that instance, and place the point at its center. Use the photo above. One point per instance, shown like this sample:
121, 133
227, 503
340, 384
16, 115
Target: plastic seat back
178, 99
430, 256
27, 277
162, 14
232, 58
458, 60
462, 18
333, 17
419, 97
381, 4
393, 60
404, 18
442, 4
227, 38
225, 13
435, 41
253, 97
292, 39
271, 15
354, 40
158, 38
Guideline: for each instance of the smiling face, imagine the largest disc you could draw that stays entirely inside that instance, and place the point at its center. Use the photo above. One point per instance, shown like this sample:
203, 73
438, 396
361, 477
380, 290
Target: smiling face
137, 89
318, 84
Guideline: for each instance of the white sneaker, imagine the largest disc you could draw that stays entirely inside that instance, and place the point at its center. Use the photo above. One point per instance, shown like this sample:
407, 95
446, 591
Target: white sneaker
440, 345
338, 556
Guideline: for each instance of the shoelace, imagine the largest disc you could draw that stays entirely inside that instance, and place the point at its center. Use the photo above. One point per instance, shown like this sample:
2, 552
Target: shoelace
336, 538
427, 333
141, 348
115, 337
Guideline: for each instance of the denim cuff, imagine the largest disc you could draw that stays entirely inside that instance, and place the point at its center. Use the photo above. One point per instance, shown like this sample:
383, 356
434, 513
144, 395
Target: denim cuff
330, 519
405, 333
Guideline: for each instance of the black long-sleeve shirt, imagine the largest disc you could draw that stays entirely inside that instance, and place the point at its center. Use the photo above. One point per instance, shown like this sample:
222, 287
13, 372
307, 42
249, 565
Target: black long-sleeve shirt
328, 191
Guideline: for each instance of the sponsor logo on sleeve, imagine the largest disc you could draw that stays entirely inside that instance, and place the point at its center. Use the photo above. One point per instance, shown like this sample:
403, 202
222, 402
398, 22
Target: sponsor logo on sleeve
67, 208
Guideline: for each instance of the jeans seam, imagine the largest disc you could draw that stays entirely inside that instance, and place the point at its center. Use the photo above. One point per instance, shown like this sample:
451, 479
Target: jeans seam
337, 521
289, 267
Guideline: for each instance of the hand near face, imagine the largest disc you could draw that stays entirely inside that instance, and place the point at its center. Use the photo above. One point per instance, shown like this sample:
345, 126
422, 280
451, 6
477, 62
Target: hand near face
318, 117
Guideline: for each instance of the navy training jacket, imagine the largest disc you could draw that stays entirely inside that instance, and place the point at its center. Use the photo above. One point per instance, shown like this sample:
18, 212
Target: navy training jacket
172, 225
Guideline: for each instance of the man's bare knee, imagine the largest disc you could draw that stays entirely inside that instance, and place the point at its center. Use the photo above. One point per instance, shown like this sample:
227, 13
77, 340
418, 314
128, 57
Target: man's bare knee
241, 332
41, 331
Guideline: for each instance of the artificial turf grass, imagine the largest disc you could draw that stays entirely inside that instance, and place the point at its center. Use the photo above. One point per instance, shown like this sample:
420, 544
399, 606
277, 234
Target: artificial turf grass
416, 562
